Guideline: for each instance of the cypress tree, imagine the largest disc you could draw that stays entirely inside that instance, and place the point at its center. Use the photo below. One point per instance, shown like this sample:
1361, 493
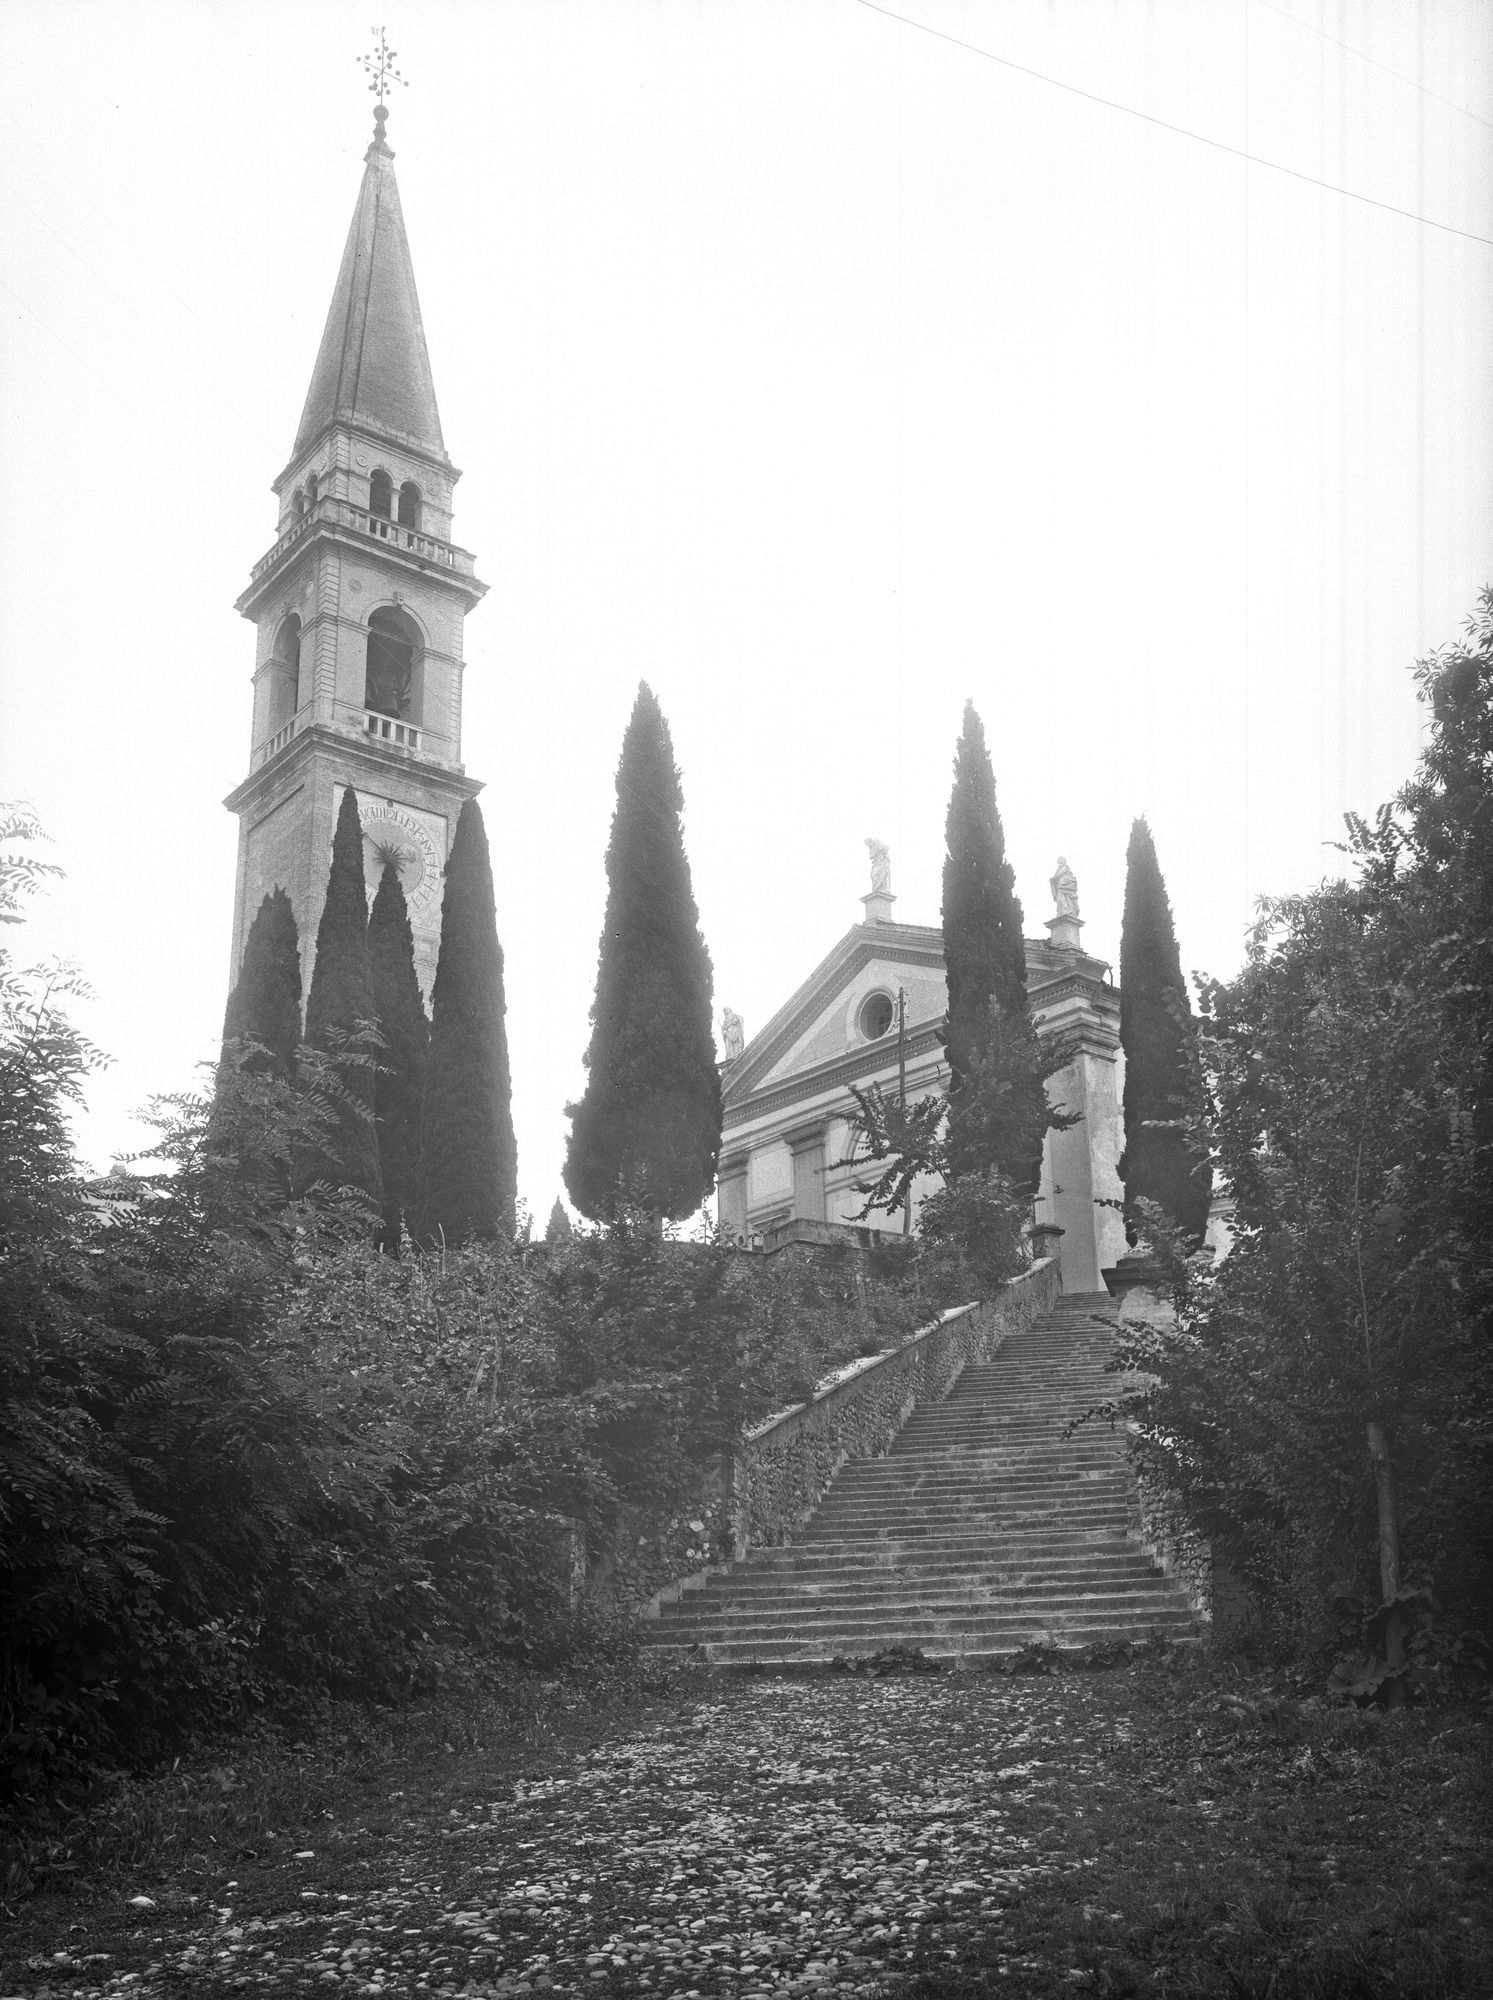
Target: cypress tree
558, 1230
1163, 1161
338, 1008
648, 1126
265, 1005
468, 1178
997, 1104
399, 1087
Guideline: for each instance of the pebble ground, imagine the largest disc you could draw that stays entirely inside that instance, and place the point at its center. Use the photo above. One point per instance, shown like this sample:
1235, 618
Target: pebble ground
766, 1837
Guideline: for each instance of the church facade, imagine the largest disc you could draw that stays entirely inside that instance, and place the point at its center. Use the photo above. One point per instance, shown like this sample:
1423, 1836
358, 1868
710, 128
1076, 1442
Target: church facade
871, 1012
360, 606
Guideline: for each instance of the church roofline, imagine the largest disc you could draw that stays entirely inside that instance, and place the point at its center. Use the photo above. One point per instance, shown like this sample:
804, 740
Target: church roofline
1051, 976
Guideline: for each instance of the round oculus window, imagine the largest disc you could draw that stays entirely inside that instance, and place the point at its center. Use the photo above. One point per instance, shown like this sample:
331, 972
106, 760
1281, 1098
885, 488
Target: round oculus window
876, 1015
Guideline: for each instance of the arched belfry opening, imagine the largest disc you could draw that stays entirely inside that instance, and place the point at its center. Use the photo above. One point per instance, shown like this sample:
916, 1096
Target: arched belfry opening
394, 646
381, 495
409, 505
285, 675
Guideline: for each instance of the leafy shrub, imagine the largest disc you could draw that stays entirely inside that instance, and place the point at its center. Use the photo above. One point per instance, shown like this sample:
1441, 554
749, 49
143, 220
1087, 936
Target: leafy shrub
1324, 1405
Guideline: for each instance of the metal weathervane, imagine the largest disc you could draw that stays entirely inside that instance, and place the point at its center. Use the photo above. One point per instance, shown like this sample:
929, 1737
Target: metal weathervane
380, 68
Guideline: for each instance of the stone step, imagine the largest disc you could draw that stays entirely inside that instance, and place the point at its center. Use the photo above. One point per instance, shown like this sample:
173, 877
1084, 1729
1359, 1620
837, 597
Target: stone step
993, 1514
985, 1541
894, 1476
973, 1423
903, 1627
933, 1445
983, 1471
977, 1615
969, 1640
1108, 1557
968, 1614
871, 1589
885, 1556
991, 1511
1011, 1593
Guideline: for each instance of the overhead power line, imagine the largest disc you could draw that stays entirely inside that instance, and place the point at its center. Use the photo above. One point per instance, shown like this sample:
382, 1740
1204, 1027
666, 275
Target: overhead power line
1361, 55
1166, 125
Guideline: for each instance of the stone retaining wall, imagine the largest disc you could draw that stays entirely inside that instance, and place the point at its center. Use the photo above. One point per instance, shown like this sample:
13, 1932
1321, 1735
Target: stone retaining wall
1160, 1526
1163, 1532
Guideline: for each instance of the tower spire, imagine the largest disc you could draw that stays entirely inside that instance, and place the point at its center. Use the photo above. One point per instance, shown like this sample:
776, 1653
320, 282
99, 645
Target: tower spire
372, 369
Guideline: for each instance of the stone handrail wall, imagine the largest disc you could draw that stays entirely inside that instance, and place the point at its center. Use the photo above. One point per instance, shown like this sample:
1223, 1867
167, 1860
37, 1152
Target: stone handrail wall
1158, 1522
781, 1469
1163, 1531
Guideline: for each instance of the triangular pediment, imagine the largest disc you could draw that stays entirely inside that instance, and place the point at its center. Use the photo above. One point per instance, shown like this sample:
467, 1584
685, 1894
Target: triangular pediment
827, 1019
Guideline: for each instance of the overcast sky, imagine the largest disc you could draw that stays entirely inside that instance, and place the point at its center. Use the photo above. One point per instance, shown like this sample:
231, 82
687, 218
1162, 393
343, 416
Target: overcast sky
821, 366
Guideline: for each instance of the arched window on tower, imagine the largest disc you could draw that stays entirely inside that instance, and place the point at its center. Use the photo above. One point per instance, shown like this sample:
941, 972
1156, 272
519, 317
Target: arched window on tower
409, 505
285, 674
381, 495
310, 490
298, 504
393, 655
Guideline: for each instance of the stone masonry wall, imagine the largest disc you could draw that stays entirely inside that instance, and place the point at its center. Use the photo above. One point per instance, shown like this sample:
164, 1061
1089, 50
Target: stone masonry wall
1158, 1522
1163, 1532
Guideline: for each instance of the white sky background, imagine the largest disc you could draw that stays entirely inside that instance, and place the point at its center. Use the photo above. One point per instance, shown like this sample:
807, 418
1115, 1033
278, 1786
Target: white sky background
815, 368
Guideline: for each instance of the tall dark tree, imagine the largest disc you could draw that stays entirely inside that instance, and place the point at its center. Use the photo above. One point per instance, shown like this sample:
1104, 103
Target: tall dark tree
1165, 1158
997, 1103
558, 1229
399, 1086
648, 1128
265, 1005
468, 1178
339, 1014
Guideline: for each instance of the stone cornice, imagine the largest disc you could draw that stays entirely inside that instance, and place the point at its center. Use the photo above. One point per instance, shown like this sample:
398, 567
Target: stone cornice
321, 531
871, 1060
395, 767
913, 944
1044, 1000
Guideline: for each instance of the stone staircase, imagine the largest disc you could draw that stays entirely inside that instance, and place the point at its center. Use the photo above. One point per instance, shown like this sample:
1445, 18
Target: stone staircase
982, 1531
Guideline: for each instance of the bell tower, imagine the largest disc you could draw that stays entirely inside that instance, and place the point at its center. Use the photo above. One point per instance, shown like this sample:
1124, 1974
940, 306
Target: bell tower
359, 605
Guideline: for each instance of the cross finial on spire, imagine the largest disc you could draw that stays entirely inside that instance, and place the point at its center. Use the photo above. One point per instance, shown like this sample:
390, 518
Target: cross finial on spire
381, 72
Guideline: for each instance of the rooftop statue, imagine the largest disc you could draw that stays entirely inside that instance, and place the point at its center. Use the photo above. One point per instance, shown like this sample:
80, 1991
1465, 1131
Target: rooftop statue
1064, 886
881, 867
733, 1035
